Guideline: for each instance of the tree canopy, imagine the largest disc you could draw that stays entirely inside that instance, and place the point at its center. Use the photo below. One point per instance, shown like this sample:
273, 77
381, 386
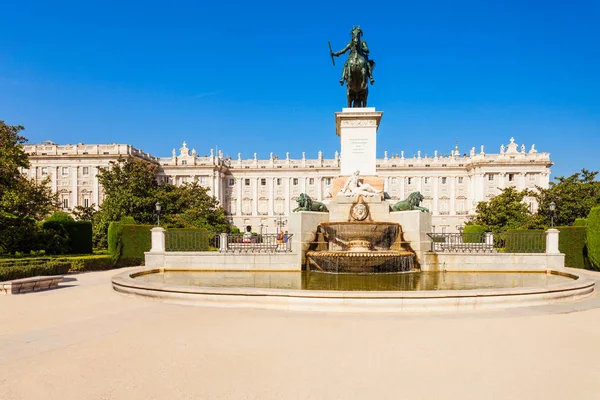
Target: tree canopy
504, 211
132, 190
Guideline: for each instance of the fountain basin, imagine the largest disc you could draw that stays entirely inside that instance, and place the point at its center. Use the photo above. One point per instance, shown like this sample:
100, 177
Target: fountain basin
265, 297
361, 236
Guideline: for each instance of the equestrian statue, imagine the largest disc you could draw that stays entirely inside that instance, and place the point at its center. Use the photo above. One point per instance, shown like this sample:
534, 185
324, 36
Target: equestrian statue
358, 69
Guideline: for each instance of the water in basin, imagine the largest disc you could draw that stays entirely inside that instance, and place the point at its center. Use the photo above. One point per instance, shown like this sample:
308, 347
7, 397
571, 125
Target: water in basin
310, 280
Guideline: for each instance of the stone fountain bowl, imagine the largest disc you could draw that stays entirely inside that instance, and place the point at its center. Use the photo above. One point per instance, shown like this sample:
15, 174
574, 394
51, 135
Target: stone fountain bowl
379, 235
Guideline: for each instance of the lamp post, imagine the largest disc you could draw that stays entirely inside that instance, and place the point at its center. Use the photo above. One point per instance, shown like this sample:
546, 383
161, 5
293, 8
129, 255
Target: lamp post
552, 208
280, 222
158, 211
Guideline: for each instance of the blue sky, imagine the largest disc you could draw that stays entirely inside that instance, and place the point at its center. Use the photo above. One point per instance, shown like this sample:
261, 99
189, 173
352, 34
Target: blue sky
256, 76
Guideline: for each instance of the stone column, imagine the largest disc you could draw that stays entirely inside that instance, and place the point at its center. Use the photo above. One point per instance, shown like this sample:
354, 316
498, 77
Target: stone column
217, 186
158, 240
501, 180
303, 185
419, 180
520, 181
288, 196
319, 182
55, 179
402, 188
436, 195
74, 187
95, 187
223, 245
254, 196
272, 196
452, 195
240, 182
552, 241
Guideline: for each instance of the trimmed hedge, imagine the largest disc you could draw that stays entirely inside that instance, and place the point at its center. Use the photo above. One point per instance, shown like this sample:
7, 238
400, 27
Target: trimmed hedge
571, 242
49, 268
473, 233
135, 241
593, 238
580, 222
524, 240
78, 235
127, 243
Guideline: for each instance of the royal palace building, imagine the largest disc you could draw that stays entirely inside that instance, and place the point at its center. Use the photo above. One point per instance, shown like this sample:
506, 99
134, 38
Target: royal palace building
262, 193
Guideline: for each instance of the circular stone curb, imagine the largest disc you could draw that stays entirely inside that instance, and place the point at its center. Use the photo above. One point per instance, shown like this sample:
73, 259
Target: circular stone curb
355, 301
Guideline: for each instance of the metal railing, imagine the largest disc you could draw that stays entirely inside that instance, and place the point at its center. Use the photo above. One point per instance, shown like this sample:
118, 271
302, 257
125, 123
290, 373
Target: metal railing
461, 242
267, 243
191, 240
507, 242
200, 240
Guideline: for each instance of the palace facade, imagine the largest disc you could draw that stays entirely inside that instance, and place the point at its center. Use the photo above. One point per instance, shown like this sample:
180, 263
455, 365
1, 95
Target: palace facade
262, 193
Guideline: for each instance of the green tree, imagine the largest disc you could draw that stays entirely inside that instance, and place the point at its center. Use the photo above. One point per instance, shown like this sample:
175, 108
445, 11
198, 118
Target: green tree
574, 197
190, 206
593, 237
83, 213
22, 201
504, 211
132, 190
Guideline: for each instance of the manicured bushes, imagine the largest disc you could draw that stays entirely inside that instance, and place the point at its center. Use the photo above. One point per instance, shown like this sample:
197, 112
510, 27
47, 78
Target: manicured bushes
76, 235
593, 237
474, 234
127, 243
580, 222
571, 242
27, 267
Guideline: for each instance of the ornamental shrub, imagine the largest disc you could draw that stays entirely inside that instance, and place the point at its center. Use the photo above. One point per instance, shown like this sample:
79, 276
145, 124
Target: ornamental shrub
135, 241
474, 234
593, 237
76, 237
51, 267
580, 222
60, 216
571, 242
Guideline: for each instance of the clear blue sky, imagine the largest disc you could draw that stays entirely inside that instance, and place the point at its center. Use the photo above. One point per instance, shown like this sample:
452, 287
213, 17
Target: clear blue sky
256, 76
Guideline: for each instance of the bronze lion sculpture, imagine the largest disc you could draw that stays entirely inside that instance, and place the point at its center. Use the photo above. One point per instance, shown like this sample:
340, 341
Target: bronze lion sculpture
305, 203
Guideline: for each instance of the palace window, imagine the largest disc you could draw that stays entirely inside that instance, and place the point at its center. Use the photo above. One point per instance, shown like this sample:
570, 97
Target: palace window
444, 180
278, 181
65, 203
393, 181
65, 171
327, 181
247, 182
86, 170
490, 177
86, 202
311, 181
409, 181
44, 170
426, 180
231, 181
460, 179
183, 162
511, 177
203, 180
263, 182
295, 181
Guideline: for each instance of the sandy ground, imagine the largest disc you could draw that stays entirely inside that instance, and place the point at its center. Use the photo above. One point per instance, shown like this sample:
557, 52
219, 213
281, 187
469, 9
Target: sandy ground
84, 341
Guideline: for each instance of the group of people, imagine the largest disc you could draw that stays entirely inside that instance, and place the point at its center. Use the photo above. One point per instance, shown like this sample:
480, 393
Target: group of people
282, 237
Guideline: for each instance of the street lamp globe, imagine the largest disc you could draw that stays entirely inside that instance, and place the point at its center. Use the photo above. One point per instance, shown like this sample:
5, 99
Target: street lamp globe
552, 206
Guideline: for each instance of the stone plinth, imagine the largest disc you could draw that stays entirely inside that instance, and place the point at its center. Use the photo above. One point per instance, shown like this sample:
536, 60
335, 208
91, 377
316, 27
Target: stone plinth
339, 209
303, 225
357, 129
415, 227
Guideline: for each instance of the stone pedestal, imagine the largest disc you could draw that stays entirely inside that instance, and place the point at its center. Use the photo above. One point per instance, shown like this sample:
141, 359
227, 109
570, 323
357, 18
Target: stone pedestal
415, 227
552, 241
357, 129
303, 225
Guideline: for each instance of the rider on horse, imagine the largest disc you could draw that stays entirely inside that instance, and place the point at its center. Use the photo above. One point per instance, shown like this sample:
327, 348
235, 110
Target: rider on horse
360, 46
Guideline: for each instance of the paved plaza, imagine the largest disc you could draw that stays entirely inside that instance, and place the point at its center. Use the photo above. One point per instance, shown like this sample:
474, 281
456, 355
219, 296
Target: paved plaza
84, 341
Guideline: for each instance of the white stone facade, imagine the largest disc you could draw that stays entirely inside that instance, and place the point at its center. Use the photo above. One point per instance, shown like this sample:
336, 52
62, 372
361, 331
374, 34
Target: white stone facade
263, 192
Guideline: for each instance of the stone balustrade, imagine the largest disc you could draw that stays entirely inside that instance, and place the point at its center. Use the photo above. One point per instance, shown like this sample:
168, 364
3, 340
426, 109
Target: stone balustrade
27, 285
